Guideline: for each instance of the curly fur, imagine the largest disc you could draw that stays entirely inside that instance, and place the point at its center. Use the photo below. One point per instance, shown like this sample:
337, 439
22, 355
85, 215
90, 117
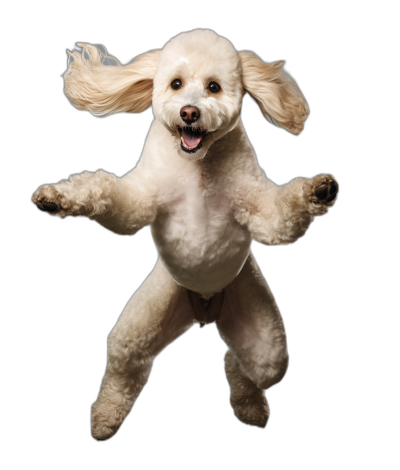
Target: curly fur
204, 208
247, 400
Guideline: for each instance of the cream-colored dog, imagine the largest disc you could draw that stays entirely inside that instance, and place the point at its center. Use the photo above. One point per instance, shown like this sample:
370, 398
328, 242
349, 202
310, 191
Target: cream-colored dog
199, 185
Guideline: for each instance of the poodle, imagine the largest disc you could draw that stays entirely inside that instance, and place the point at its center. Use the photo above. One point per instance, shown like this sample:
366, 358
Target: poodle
198, 184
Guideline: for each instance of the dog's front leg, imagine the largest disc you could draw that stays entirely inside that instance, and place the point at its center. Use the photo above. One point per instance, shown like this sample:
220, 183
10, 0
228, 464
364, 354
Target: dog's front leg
123, 205
281, 214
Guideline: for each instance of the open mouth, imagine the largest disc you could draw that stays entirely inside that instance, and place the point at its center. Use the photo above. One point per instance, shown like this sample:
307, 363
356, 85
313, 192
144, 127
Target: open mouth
191, 138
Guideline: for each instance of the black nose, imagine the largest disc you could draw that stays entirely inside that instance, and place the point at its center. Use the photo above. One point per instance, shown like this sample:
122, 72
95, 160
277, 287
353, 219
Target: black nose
189, 114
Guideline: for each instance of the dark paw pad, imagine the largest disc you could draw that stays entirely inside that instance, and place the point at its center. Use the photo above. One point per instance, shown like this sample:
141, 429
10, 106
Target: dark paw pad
50, 206
47, 206
327, 192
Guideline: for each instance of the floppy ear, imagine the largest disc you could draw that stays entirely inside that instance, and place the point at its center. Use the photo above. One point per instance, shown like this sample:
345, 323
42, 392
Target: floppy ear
106, 89
276, 93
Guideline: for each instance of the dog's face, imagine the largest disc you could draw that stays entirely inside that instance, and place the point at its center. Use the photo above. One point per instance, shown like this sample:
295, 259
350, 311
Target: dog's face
198, 90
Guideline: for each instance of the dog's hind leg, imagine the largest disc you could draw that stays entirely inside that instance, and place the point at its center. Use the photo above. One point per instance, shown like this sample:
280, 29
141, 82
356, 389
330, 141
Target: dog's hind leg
247, 400
157, 314
251, 325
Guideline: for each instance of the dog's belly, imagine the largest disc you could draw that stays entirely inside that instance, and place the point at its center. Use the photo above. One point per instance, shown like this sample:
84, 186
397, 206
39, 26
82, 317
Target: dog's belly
201, 244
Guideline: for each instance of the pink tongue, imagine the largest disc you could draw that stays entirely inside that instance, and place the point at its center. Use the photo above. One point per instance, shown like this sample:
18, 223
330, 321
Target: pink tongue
190, 141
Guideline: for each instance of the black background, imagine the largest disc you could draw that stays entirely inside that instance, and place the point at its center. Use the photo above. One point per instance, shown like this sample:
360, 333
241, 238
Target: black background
80, 276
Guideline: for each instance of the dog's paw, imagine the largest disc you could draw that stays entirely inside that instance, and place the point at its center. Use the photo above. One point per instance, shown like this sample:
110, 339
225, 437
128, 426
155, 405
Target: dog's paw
252, 410
321, 193
105, 421
325, 190
102, 432
49, 198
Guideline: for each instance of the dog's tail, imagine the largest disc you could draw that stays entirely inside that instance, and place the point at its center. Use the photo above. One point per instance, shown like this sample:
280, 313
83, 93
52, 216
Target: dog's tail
98, 82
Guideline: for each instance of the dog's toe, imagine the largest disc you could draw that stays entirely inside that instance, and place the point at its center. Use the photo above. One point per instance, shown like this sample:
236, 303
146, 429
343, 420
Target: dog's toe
49, 206
322, 192
40, 208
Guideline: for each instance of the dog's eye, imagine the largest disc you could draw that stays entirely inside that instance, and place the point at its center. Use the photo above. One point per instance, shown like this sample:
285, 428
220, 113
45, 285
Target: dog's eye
214, 87
176, 84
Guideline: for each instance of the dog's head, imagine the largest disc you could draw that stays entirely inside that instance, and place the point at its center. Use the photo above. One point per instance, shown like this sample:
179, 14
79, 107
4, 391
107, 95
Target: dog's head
196, 84
198, 90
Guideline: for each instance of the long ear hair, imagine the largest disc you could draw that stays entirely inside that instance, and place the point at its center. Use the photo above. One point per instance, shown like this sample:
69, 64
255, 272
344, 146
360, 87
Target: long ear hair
276, 93
106, 89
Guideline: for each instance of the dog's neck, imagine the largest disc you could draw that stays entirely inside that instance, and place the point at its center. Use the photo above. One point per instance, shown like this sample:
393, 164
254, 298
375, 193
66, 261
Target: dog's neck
228, 140
161, 152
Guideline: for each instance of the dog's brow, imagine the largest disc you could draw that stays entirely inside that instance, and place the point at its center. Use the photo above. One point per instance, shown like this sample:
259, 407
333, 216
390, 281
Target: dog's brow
181, 60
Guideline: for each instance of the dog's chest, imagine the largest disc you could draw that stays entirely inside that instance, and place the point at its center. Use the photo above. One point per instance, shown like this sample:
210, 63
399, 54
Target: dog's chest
197, 236
196, 205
